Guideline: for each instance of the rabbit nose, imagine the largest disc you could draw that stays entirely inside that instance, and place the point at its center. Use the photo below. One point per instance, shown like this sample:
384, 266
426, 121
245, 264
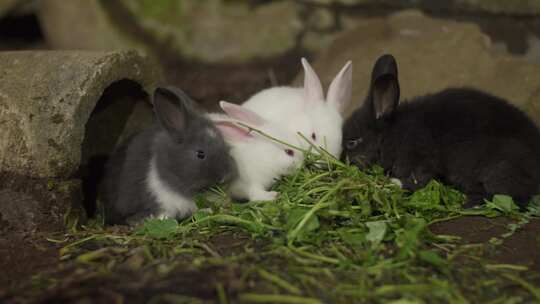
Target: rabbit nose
357, 161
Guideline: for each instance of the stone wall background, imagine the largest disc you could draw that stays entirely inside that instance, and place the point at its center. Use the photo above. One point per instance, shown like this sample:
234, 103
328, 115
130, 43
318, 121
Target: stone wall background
488, 44
243, 30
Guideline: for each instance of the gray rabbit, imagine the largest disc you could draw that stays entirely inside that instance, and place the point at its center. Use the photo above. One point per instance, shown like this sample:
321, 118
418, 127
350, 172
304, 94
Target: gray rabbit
464, 137
158, 171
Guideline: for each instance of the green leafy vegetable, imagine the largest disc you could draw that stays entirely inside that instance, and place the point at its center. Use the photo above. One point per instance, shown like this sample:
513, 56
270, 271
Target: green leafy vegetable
335, 234
157, 228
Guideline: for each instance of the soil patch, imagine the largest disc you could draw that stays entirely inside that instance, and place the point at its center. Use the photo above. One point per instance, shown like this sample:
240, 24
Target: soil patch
522, 247
23, 245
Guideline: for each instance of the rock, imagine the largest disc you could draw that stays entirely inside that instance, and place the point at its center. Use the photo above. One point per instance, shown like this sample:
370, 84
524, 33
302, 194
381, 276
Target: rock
432, 54
46, 99
81, 24
7, 5
503, 7
18, 210
516, 7
217, 30
533, 52
210, 31
28, 205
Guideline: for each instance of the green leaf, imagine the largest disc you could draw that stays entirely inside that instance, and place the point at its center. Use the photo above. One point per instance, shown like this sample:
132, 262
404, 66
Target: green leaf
495, 241
436, 197
534, 206
406, 301
377, 231
434, 259
409, 237
200, 214
51, 184
503, 203
296, 215
159, 229
353, 238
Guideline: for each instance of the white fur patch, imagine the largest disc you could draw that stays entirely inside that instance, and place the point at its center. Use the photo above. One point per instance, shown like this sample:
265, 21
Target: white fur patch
171, 202
397, 182
211, 133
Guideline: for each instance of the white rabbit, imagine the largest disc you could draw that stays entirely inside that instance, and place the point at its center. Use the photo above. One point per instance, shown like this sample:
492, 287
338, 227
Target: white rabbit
305, 110
259, 159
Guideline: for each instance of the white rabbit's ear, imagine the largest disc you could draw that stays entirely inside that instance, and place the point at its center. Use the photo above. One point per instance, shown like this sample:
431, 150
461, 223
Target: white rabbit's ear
233, 132
340, 91
242, 114
313, 90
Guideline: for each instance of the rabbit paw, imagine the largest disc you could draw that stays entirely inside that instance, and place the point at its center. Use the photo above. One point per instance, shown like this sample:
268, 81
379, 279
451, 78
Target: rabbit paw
397, 182
262, 195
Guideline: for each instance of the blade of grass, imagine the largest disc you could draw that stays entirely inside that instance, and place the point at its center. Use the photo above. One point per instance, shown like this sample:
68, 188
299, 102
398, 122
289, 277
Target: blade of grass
274, 298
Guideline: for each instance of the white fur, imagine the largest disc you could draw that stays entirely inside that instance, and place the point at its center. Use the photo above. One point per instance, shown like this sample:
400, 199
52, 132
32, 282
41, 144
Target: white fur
211, 133
172, 203
259, 164
260, 161
396, 181
305, 110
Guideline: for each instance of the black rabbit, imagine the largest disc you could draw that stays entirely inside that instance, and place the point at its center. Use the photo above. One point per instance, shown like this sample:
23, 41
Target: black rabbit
477, 142
159, 170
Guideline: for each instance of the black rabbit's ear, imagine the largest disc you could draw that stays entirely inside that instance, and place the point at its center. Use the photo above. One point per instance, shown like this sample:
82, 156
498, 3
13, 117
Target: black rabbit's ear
384, 86
173, 110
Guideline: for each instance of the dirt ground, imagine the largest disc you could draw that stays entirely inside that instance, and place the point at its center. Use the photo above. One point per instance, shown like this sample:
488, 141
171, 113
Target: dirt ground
24, 248
521, 248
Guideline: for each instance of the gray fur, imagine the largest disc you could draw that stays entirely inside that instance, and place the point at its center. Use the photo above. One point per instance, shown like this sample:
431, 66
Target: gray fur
175, 143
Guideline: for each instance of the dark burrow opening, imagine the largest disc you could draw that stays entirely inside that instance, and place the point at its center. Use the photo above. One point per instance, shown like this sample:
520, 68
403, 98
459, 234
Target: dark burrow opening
20, 32
123, 110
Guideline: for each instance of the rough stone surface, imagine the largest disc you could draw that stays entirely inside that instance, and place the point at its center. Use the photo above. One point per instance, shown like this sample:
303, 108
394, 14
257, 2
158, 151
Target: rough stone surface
239, 31
18, 210
7, 5
217, 30
432, 54
81, 24
29, 205
211, 30
505, 7
47, 97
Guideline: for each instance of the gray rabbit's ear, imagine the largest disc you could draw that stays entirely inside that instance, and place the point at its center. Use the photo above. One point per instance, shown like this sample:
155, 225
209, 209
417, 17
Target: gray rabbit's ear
173, 110
384, 91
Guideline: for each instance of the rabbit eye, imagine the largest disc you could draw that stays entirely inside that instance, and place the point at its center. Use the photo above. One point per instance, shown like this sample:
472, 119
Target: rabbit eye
201, 154
352, 143
313, 136
289, 152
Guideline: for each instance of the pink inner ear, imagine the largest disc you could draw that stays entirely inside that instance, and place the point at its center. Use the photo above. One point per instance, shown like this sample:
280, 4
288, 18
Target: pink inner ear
313, 90
340, 91
233, 132
242, 114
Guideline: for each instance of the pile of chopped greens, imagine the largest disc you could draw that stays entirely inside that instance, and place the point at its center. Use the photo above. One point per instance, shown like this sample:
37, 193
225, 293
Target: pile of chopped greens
335, 234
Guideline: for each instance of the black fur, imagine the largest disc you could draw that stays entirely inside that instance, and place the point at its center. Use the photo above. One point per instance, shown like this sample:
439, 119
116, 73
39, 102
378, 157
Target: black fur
472, 140
176, 142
